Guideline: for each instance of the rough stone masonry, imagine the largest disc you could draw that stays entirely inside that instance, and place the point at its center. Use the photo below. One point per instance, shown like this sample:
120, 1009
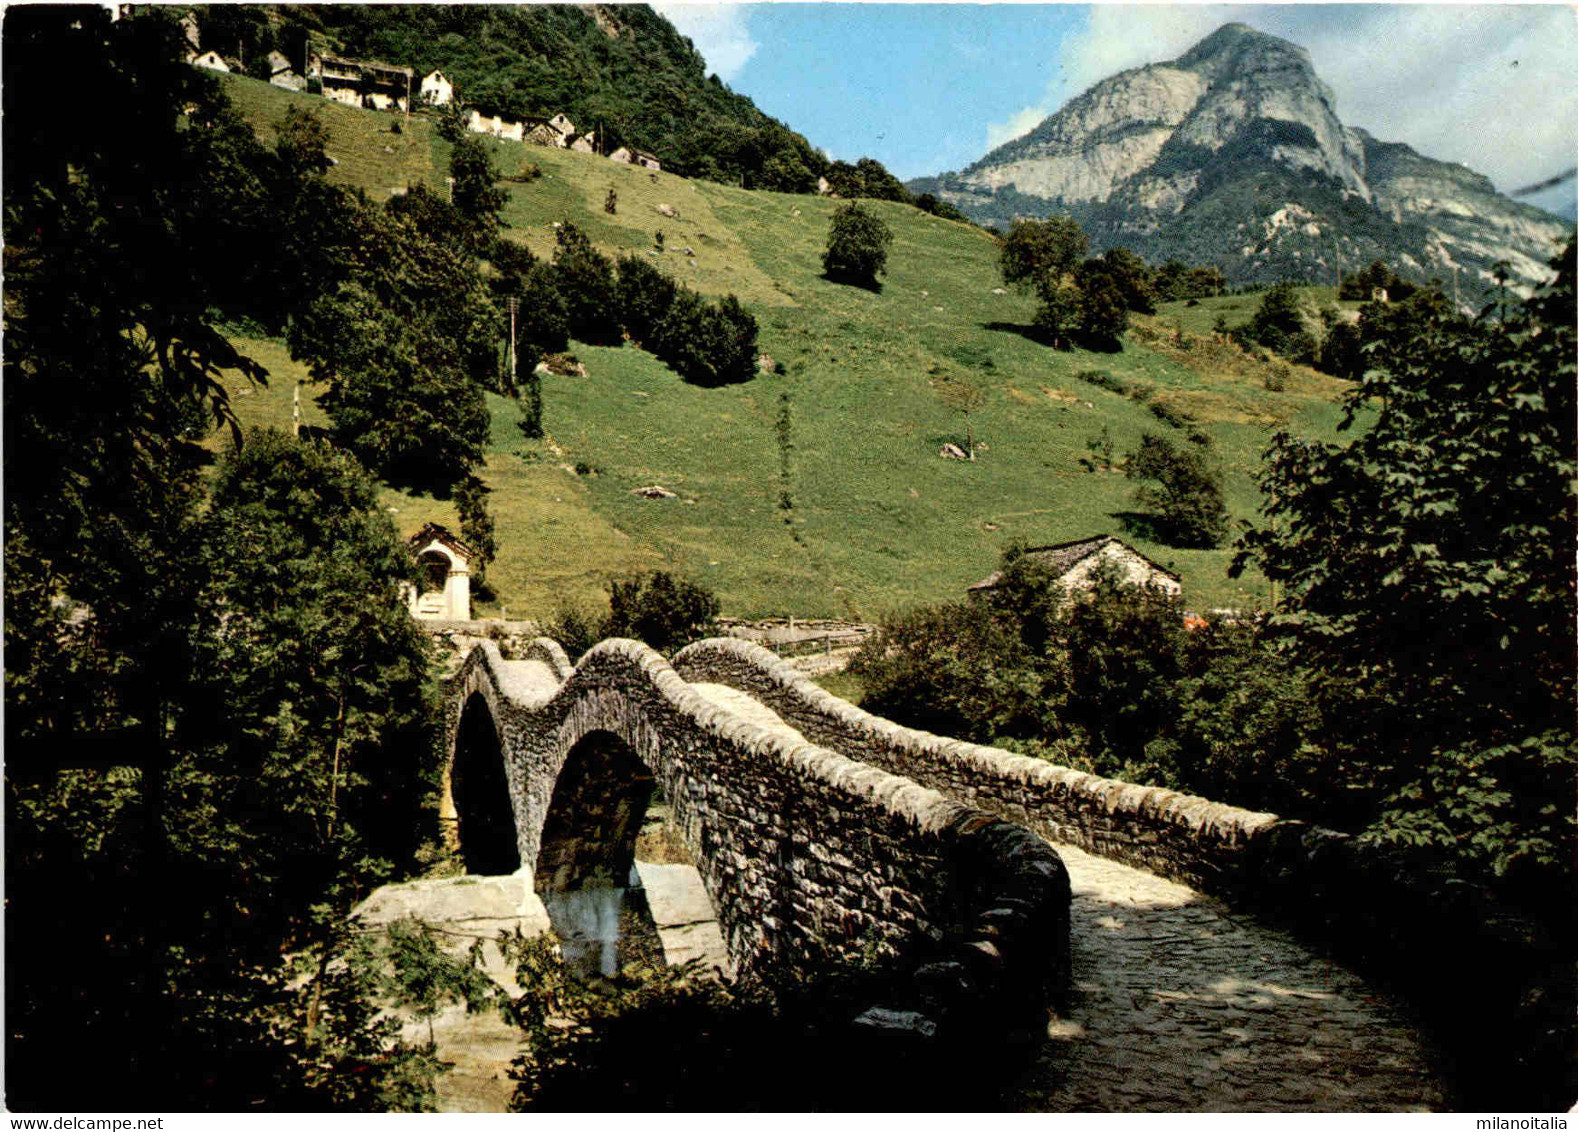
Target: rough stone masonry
814, 862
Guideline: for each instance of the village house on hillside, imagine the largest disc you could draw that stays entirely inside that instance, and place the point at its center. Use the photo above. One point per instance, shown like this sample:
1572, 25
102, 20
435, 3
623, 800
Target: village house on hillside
444, 562
376, 86
384, 86
436, 89
1074, 565
210, 61
635, 157
283, 74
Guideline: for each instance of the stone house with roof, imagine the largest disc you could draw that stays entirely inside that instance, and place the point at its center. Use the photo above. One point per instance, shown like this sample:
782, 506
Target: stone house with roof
376, 86
639, 157
1074, 565
436, 89
282, 74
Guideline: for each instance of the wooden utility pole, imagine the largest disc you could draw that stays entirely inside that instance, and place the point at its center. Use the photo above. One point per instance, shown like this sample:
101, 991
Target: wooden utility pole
515, 305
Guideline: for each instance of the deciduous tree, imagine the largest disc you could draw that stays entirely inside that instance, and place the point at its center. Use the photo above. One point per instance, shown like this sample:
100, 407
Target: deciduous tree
1035, 250
857, 247
1182, 488
1429, 572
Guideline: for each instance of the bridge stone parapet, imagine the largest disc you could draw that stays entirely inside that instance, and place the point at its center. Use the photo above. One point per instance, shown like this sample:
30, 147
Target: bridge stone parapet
814, 862
1376, 908
1205, 844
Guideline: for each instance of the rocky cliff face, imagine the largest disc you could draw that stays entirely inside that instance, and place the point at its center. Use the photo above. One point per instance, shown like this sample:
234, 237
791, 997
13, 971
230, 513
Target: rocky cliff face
1233, 154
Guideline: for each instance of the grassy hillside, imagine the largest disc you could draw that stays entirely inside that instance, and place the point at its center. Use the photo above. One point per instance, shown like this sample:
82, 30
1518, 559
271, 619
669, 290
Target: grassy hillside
878, 520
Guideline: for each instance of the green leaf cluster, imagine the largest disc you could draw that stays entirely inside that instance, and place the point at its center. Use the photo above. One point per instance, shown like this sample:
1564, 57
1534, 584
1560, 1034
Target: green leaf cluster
857, 246
1428, 566
216, 704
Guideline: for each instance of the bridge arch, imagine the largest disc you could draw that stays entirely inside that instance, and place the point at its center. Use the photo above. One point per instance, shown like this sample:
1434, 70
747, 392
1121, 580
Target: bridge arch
813, 862
479, 792
586, 862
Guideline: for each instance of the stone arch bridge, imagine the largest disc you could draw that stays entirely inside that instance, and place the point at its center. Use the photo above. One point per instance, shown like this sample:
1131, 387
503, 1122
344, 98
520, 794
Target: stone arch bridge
826, 836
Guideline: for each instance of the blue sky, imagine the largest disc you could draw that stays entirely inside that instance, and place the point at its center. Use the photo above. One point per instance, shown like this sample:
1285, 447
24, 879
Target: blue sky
928, 87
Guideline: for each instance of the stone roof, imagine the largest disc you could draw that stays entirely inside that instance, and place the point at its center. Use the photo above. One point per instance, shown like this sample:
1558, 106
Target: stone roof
1064, 556
433, 532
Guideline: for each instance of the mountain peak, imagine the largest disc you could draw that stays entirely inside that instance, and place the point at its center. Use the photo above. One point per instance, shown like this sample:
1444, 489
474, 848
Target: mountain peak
1234, 150
1231, 46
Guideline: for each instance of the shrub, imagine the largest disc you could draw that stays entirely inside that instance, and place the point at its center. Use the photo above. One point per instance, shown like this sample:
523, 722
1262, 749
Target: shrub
955, 669
1165, 413
1101, 378
575, 629
857, 247
665, 611
644, 295
1182, 490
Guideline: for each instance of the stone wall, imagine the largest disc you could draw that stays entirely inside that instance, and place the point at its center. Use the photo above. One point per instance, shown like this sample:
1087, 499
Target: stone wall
814, 862
1205, 844
1411, 925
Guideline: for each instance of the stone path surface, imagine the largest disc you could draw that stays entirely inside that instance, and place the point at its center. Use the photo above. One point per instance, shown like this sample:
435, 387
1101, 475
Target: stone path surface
1180, 1005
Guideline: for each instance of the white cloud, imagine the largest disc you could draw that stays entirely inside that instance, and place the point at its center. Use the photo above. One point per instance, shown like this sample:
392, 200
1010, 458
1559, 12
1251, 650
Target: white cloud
1486, 85
1020, 124
718, 31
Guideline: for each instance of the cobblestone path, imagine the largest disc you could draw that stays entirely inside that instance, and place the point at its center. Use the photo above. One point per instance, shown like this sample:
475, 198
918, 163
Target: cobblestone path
1181, 1006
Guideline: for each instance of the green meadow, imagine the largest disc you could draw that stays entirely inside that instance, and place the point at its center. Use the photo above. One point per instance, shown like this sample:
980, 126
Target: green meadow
875, 519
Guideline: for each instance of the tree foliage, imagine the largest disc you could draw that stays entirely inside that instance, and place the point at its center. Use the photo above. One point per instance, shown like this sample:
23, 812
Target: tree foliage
177, 681
585, 278
414, 421
1182, 488
476, 528
645, 295
1428, 566
857, 246
662, 609
1177, 280
1278, 324
476, 195
1103, 310
309, 730
707, 344
866, 178
1036, 251
407, 340
1132, 277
